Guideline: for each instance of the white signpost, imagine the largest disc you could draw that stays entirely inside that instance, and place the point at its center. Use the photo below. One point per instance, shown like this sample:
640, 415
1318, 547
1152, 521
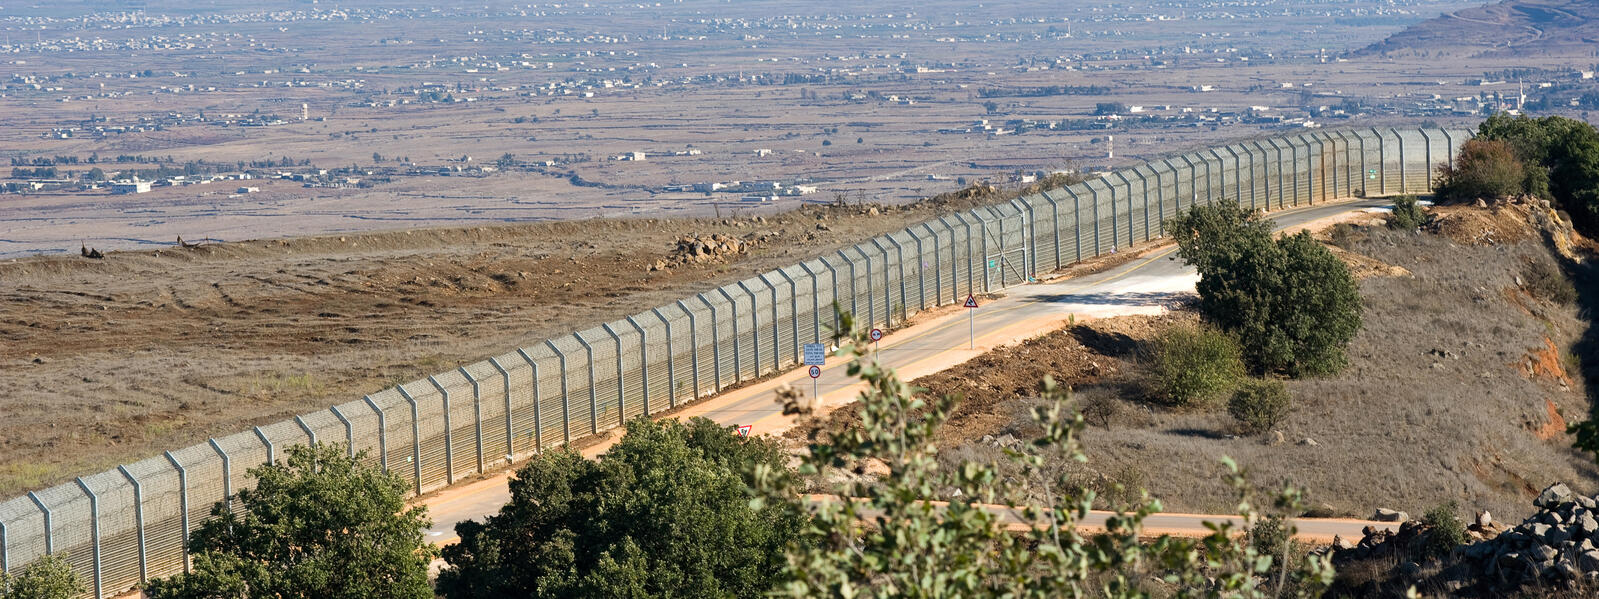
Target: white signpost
815, 357
971, 318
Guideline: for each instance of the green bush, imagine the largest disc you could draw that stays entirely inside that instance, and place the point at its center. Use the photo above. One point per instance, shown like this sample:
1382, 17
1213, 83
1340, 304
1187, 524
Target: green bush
1290, 302
1407, 214
1544, 280
1446, 530
1485, 169
1259, 404
1194, 364
51, 577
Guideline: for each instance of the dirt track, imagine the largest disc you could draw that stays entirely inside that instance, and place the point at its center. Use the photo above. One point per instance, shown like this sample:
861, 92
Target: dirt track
106, 361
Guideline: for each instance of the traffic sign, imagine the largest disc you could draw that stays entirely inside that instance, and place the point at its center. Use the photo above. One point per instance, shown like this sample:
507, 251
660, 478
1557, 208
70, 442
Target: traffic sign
971, 321
877, 334
815, 354
971, 301
816, 372
743, 430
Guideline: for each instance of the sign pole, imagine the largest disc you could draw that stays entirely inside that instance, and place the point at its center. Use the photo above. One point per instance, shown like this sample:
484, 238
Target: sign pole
971, 320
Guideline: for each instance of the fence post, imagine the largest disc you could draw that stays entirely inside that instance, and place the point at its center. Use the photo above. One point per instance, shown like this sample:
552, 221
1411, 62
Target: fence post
183, 504
755, 328
1130, 224
694, 349
5, 551
854, 299
138, 522
310, 435
938, 266
816, 306
272, 454
1054, 220
871, 289
671, 364
383, 432
1031, 244
832, 273
777, 326
644, 361
477, 413
1193, 184
888, 288
538, 403
594, 398
94, 533
621, 389
1401, 143
738, 365
49, 533
227, 472
416, 437
349, 430
1077, 221
904, 299
449, 432
716, 347
510, 430
1449, 149
921, 273
566, 397
793, 311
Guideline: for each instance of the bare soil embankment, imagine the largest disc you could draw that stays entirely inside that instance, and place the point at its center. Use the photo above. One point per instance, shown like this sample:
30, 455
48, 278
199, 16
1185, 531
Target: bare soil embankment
1459, 387
110, 360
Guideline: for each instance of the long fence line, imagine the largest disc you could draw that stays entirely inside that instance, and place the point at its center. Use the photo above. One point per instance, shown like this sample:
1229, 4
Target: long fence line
124, 526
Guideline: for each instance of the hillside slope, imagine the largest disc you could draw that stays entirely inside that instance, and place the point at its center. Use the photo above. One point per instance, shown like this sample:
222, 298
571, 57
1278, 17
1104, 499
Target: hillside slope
1509, 28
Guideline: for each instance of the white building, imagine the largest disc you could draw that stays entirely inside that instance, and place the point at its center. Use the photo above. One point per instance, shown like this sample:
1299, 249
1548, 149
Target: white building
135, 186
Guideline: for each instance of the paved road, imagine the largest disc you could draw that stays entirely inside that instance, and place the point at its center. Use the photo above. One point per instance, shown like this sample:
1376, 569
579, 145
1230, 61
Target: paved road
1144, 285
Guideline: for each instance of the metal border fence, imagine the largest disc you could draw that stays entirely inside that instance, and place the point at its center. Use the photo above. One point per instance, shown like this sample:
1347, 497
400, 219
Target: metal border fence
124, 526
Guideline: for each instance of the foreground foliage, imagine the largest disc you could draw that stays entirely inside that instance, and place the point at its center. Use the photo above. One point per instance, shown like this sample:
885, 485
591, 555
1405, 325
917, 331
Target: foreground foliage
1291, 303
891, 541
51, 577
320, 525
664, 513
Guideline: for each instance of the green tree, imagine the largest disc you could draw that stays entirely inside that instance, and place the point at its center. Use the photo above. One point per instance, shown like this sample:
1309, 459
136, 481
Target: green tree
1485, 169
891, 540
1561, 157
48, 578
321, 525
1290, 302
1192, 365
664, 513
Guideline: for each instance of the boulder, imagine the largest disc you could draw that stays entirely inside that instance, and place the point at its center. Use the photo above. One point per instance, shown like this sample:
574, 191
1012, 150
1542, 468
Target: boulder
1553, 496
1386, 515
1588, 561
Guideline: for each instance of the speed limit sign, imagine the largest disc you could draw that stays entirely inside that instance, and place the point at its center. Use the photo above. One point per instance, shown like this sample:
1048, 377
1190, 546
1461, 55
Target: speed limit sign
816, 372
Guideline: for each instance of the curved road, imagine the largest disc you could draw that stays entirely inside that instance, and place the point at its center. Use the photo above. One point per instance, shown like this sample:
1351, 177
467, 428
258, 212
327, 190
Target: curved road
947, 337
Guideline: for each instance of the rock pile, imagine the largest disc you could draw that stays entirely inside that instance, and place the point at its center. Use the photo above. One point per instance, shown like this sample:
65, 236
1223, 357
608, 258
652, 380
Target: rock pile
712, 248
1558, 544
1556, 547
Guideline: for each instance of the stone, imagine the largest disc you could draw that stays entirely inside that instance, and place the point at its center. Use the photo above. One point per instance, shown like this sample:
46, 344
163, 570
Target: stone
1588, 561
1539, 530
1277, 438
1342, 544
1587, 503
1586, 524
1553, 496
1308, 442
1542, 553
1508, 560
1484, 519
1387, 515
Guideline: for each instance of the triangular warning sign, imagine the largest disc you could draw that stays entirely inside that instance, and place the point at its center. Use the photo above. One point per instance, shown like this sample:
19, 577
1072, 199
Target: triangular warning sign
971, 301
744, 430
